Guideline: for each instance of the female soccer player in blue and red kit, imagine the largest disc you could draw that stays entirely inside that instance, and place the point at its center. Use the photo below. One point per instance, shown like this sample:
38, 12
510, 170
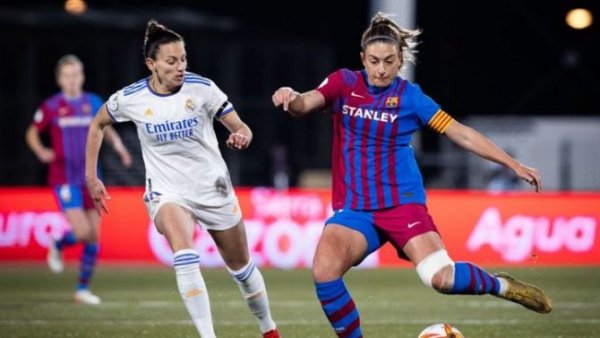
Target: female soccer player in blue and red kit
378, 193
66, 117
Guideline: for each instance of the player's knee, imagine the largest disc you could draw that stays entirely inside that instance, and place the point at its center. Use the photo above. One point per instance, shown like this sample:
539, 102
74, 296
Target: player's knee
85, 236
437, 271
326, 269
443, 280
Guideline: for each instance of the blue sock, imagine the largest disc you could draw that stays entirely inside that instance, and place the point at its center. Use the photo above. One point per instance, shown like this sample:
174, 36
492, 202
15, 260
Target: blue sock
471, 279
88, 263
67, 239
339, 308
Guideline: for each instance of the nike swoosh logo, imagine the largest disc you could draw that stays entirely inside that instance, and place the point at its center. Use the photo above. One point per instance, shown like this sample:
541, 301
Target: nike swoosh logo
356, 95
410, 225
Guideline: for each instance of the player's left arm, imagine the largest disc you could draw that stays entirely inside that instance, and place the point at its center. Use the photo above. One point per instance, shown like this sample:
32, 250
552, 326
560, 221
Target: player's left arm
113, 138
240, 134
473, 141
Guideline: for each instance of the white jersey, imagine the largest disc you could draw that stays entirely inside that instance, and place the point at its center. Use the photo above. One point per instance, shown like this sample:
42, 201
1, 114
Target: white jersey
179, 146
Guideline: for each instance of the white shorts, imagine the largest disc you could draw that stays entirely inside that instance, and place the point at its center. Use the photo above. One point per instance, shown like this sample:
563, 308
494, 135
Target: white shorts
210, 218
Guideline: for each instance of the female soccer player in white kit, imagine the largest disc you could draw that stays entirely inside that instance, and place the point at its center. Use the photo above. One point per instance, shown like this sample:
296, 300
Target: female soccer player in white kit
186, 177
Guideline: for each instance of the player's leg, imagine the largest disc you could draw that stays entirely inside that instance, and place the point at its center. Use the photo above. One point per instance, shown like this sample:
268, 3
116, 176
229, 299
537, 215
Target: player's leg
66, 199
233, 247
420, 242
86, 227
177, 225
346, 240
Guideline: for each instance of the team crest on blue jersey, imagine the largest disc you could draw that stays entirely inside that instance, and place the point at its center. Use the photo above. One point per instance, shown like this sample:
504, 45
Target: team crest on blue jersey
65, 193
86, 109
392, 102
190, 106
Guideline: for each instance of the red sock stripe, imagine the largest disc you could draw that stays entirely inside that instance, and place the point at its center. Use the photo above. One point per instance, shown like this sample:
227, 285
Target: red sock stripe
473, 281
343, 312
348, 331
333, 299
483, 282
493, 290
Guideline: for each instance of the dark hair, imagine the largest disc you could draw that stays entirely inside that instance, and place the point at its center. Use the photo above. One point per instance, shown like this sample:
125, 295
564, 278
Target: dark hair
68, 59
382, 28
156, 35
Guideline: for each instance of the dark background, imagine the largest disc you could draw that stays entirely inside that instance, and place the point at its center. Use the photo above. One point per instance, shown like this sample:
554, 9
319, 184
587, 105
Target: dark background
495, 57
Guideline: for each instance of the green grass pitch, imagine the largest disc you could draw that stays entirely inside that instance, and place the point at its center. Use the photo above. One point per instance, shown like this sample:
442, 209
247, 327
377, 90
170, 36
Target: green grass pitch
142, 301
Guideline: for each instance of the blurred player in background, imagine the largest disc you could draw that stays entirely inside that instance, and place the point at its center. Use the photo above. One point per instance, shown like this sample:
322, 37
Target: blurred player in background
66, 116
187, 179
378, 192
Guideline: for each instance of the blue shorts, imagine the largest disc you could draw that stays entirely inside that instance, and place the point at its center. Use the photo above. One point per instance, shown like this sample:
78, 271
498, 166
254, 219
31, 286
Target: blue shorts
361, 221
396, 225
73, 197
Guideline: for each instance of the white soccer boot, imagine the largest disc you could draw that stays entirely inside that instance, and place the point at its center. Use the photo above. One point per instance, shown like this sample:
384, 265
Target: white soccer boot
54, 258
86, 297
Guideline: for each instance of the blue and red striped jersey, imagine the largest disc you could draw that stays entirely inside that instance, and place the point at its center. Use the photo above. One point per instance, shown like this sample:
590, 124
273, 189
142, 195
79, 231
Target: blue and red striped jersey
373, 163
67, 121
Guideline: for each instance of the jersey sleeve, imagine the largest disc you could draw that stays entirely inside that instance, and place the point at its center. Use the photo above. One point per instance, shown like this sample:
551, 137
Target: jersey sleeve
96, 103
116, 107
428, 111
332, 87
42, 117
217, 103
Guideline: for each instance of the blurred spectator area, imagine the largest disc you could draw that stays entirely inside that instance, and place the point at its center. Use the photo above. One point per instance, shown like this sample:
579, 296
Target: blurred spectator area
565, 149
245, 62
513, 61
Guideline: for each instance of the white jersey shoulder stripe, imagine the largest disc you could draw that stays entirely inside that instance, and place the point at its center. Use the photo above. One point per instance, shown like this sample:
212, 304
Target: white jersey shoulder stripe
137, 88
136, 84
197, 81
190, 74
195, 78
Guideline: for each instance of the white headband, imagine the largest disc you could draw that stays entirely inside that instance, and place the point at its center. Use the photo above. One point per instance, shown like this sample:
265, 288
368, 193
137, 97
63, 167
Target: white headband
379, 37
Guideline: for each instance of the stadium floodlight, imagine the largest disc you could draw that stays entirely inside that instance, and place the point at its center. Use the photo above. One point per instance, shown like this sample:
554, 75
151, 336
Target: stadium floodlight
75, 7
579, 18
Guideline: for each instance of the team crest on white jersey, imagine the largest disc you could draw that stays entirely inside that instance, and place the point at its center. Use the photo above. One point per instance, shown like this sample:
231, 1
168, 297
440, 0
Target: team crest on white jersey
148, 112
113, 104
190, 107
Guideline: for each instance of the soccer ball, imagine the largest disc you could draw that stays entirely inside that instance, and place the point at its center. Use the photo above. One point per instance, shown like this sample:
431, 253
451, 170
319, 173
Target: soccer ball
440, 331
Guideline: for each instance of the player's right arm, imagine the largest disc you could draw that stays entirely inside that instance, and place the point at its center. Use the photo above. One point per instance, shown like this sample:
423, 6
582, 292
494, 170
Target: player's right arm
92, 151
43, 153
298, 104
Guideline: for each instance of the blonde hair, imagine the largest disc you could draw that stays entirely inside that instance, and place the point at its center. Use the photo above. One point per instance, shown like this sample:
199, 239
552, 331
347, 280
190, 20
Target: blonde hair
382, 28
69, 59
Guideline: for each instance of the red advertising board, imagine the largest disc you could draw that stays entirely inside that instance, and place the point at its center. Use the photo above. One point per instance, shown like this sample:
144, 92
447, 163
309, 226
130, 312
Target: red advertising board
511, 229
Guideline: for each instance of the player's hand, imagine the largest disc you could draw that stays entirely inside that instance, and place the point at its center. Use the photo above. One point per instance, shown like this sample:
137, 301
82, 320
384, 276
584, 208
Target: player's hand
126, 160
238, 141
98, 194
530, 175
284, 96
46, 155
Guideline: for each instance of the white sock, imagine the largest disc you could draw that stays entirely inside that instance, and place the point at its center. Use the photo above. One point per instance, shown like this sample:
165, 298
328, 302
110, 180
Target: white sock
252, 286
193, 290
503, 286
